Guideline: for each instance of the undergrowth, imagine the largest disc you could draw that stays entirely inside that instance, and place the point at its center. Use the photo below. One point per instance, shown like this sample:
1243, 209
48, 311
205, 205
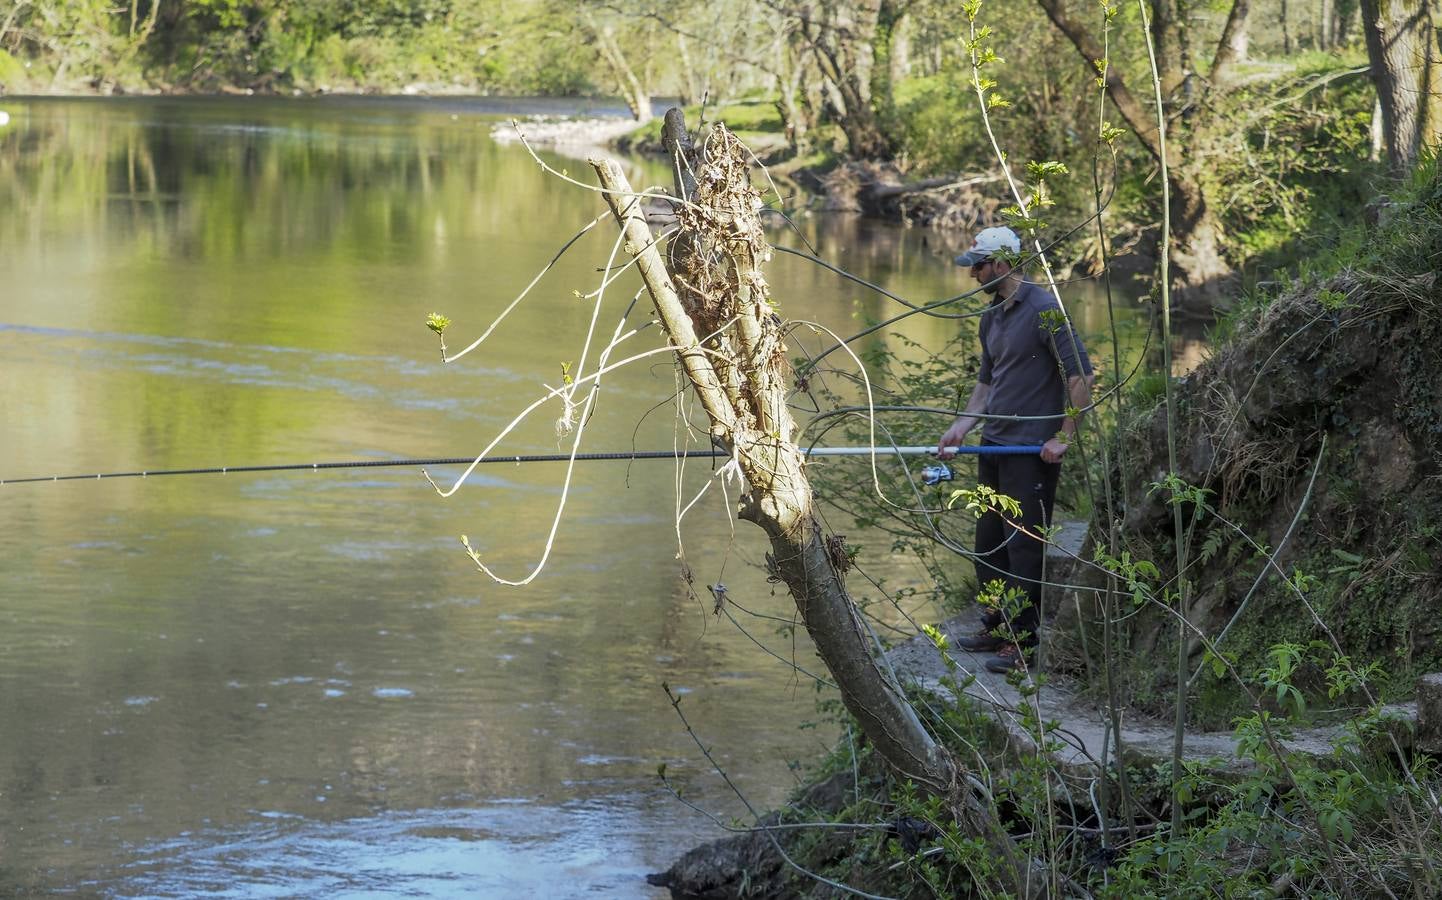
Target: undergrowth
1268, 822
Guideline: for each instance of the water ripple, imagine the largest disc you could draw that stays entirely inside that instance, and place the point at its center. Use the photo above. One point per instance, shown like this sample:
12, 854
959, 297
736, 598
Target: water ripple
293, 368
518, 850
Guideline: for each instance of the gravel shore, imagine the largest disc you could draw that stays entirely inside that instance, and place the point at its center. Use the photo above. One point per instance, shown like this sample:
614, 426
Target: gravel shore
555, 131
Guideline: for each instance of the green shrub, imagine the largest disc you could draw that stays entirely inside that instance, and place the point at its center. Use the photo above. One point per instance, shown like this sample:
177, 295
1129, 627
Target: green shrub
940, 130
12, 72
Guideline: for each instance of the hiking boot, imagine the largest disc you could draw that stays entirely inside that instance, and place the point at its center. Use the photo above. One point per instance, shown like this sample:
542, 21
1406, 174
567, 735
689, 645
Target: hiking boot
1009, 658
981, 642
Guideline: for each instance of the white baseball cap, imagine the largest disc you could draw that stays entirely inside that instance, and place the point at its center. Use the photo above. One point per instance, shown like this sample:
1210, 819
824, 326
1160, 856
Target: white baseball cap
987, 242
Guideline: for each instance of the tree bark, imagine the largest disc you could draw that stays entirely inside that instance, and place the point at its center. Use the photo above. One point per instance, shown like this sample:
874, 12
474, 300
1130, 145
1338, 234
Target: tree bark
718, 257
1199, 270
899, 56
1232, 48
1402, 48
690, 92
1172, 62
1379, 141
886, 41
1345, 14
796, 116
1142, 123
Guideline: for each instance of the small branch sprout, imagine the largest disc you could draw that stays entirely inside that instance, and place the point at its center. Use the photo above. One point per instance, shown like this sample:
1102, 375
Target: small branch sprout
439, 323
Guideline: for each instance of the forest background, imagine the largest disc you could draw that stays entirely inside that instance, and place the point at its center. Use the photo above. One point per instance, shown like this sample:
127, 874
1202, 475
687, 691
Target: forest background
1277, 118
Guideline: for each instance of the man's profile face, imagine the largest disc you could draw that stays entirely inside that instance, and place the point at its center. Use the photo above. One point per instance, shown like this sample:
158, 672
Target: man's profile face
989, 270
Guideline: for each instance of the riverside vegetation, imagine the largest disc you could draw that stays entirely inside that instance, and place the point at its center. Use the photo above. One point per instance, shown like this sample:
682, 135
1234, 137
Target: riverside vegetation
1269, 522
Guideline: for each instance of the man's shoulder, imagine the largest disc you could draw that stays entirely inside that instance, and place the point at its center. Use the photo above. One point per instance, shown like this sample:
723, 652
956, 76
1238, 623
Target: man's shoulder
1037, 297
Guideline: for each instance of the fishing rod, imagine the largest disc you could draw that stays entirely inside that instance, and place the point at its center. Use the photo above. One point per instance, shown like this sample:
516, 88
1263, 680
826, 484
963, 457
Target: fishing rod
976, 450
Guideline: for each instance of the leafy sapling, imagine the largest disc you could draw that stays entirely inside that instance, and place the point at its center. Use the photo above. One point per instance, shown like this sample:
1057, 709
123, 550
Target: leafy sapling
983, 500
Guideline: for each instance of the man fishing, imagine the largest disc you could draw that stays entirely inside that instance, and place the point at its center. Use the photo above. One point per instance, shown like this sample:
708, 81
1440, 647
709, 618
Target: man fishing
1033, 367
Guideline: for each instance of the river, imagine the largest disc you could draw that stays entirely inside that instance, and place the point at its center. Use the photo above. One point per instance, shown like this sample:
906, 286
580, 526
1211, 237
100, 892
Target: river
296, 684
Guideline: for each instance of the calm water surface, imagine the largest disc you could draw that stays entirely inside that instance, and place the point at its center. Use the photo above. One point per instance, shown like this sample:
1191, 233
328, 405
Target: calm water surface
296, 684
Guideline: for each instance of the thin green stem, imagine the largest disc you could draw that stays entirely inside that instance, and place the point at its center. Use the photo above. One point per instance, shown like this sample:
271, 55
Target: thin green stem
1179, 735
1109, 603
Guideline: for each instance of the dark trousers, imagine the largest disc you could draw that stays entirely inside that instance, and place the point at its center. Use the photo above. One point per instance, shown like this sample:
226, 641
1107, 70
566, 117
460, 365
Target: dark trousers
1007, 554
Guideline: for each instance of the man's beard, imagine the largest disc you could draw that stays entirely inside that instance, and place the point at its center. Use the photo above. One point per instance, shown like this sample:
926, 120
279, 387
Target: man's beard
991, 287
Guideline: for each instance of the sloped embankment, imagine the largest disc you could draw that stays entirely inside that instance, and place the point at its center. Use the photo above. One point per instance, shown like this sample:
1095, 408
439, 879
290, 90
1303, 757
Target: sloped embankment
1340, 375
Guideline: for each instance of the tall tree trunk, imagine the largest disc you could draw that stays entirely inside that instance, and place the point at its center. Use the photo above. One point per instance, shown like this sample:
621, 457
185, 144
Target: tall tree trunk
1240, 45
885, 42
1379, 139
1172, 64
690, 92
1346, 15
796, 115
840, 35
1402, 47
1232, 48
1199, 269
635, 95
1200, 272
725, 296
900, 55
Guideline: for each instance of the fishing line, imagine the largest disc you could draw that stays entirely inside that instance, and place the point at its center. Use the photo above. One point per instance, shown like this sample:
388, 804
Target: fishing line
981, 450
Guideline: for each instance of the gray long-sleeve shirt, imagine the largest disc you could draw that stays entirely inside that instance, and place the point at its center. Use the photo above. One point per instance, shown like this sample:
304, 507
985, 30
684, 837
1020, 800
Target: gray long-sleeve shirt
1023, 356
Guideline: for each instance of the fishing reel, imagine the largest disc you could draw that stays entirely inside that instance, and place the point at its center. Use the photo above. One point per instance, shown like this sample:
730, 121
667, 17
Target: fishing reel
932, 475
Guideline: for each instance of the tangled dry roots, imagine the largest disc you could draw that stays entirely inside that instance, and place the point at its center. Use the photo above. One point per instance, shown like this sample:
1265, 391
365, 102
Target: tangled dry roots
719, 219
716, 259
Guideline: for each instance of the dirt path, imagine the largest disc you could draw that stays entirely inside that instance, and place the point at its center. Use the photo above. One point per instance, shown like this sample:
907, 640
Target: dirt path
1085, 728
